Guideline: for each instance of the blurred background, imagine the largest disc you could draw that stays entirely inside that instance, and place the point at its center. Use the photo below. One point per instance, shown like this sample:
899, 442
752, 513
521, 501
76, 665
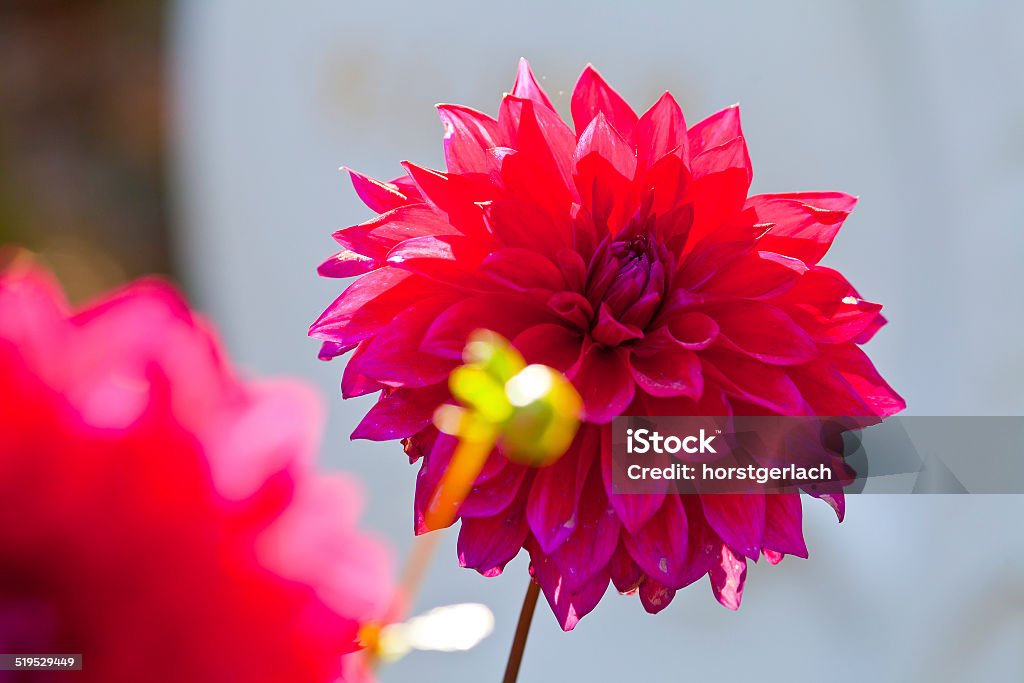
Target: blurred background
201, 139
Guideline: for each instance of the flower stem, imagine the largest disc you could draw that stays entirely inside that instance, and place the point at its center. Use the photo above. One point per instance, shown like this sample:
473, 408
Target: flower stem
515, 655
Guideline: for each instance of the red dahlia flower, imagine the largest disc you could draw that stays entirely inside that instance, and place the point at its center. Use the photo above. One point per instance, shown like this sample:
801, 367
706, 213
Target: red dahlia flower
627, 254
158, 514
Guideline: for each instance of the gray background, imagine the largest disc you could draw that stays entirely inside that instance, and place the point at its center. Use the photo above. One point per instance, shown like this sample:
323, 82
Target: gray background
915, 106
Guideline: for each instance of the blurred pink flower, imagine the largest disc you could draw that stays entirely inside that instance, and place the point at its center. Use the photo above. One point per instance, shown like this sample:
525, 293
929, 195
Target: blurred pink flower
627, 254
159, 514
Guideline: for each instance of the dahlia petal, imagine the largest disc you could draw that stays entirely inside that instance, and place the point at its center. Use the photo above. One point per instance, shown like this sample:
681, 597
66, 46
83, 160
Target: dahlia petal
456, 195
449, 259
522, 269
752, 381
376, 237
468, 137
517, 224
716, 199
378, 195
763, 332
672, 371
527, 87
393, 356
605, 382
827, 392
610, 331
655, 596
660, 546
772, 556
727, 578
542, 165
401, 412
432, 469
506, 314
803, 226
739, 519
551, 508
830, 309
731, 155
759, 275
601, 139
634, 509
331, 350
836, 501
857, 369
604, 192
568, 605
347, 264
369, 304
660, 131
354, 383
550, 344
626, 575
783, 527
593, 96
693, 330
590, 546
573, 308
487, 544
490, 496
715, 130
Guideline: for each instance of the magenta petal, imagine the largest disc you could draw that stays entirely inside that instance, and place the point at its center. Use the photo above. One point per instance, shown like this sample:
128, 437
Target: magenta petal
551, 506
672, 371
550, 344
506, 314
727, 578
836, 501
610, 331
763, 332
655, 596
568, 605
626, 575
347, 264
527, 87
715, 130
634, 509
487, 544
469, 136
432, 469
661, 130
738, 518
605, 383
492, 495
592, 95
803, 226
379, 196
660, 547
401, 412
783, 528
590, 545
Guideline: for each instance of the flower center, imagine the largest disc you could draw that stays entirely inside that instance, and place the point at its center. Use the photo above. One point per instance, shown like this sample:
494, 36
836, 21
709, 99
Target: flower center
627, 277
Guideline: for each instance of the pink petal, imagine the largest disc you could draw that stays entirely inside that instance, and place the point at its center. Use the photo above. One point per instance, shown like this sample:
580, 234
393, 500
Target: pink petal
601, 139
661, 130
660, 547
605, 383
634, 509
626, 575
487, 544
550, 344
590, 546
783, 528
655, 596
857, 369
592, 95
715, 130
527, 87
394, 356
739, 519
752, 381
727, 578
803, 226
401, 412
506, 314
672, 371
569, 605
378, 195
376, 237
347, 264
551, 506
763, 332
522, 269
469, 136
